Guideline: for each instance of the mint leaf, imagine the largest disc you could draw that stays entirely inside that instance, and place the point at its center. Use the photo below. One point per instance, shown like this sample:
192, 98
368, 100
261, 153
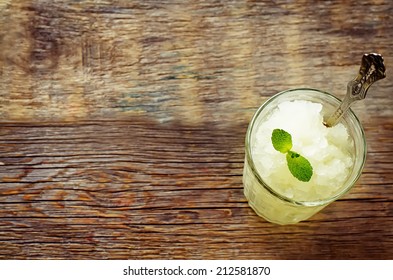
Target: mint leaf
299, 166
281, 140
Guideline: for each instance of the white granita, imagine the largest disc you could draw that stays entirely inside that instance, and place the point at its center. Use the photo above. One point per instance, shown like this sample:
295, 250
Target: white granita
327, 149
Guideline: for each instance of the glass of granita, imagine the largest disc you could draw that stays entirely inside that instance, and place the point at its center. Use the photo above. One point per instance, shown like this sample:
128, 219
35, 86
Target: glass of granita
335, 156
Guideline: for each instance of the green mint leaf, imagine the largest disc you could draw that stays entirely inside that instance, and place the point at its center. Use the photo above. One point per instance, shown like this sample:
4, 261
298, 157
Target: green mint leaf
281, 140
299, 166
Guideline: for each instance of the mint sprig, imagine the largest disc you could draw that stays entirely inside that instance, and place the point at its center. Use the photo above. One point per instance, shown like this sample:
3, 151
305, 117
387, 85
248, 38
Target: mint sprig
298, 165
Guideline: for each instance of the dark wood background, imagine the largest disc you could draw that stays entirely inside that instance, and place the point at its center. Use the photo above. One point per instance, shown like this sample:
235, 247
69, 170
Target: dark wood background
122, 126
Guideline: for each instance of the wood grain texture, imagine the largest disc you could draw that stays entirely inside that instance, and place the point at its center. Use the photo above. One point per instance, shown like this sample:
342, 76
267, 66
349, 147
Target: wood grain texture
122, 126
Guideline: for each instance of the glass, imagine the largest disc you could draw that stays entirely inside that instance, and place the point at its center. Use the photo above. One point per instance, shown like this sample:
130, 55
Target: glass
265, 199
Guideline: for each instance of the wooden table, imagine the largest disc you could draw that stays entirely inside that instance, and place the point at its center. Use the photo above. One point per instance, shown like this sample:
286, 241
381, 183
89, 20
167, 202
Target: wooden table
122, 126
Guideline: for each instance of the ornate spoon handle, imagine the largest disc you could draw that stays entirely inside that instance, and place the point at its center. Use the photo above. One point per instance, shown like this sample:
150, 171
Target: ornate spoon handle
371, 70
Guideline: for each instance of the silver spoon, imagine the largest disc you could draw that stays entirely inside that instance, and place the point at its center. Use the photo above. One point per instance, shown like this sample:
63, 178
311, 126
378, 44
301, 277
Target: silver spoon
371, 70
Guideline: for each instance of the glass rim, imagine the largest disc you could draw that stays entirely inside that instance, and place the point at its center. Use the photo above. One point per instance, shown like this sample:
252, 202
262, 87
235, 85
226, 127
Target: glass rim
265, 185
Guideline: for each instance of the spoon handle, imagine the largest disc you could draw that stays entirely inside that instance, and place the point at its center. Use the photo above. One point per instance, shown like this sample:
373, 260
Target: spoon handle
371, 70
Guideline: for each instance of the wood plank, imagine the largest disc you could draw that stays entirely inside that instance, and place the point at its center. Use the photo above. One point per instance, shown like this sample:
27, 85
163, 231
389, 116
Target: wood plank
81, 191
